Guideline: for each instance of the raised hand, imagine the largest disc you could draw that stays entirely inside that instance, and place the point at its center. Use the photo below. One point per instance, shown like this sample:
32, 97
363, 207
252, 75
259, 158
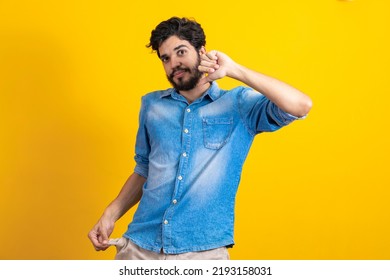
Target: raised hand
216, 65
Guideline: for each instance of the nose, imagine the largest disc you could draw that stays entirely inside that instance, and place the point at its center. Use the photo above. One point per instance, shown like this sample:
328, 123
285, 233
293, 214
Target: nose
174, 62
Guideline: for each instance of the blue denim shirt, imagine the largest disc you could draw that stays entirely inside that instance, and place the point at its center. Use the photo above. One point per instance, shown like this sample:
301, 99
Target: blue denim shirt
192, 156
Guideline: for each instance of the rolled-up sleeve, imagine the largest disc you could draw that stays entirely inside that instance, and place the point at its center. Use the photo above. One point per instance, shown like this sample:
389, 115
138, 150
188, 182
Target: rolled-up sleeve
142, 146
260, 114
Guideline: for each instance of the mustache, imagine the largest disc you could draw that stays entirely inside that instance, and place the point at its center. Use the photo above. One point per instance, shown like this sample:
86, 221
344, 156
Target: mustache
178, 69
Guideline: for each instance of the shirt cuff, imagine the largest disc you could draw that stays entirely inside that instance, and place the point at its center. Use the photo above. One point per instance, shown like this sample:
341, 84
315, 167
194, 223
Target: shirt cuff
288, 118
141, 170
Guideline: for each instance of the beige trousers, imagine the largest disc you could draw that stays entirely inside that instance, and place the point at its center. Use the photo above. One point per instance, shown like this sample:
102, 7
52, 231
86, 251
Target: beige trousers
127, 250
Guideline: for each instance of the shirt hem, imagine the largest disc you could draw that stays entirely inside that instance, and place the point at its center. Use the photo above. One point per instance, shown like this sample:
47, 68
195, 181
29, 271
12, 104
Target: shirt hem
171, 251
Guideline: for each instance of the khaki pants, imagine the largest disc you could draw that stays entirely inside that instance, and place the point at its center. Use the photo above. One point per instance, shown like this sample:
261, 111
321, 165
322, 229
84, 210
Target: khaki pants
127, 250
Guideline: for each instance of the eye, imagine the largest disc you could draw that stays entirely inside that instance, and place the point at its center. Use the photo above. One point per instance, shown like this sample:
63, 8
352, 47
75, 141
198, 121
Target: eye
181, 52
164, 59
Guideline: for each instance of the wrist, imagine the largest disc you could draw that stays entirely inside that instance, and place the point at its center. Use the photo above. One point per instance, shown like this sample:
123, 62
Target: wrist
236, 72
110, 214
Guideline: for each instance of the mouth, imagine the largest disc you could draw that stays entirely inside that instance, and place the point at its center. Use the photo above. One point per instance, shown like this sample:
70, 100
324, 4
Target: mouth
178, 73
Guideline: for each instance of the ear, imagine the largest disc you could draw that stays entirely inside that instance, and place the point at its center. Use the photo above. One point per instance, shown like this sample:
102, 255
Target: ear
202, 50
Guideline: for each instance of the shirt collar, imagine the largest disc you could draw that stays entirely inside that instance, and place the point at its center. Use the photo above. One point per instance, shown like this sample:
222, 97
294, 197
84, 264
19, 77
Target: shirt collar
213, 91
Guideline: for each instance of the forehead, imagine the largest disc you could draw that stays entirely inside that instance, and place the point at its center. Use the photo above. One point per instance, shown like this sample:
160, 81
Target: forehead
173, 43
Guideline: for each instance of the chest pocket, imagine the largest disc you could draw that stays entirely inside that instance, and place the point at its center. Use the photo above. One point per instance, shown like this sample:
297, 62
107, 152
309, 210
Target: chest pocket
216, 131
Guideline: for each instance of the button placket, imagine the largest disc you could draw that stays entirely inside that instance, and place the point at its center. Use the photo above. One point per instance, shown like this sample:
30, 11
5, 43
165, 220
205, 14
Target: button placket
181, 174
186, 139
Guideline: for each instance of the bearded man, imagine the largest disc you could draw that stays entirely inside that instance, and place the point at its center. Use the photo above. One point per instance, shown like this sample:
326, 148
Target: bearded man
191, 145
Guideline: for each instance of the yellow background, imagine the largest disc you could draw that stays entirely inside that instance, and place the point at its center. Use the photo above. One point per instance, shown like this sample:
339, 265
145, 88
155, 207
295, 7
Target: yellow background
71, 77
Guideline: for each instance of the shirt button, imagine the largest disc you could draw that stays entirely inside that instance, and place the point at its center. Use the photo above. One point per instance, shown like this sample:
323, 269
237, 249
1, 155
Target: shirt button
188, 110
165, 222
174, 201
184, 154
186, 130
180, 178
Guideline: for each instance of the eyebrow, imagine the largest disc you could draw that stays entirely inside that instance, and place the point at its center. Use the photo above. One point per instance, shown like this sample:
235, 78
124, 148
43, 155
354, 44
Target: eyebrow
180, 46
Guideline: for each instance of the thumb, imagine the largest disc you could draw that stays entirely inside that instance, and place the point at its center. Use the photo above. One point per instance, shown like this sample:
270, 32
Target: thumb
205, 80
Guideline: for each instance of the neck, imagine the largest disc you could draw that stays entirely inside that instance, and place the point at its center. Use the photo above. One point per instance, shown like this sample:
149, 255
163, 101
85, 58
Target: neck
196, 92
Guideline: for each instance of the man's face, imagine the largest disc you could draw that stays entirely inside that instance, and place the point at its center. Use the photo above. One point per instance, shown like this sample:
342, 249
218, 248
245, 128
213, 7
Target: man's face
181, 61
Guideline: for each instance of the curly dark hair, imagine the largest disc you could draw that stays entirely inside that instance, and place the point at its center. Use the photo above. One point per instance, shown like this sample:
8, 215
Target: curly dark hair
184, 28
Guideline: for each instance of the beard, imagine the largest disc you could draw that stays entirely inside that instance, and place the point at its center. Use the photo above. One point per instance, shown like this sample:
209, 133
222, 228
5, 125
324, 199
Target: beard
182, 84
